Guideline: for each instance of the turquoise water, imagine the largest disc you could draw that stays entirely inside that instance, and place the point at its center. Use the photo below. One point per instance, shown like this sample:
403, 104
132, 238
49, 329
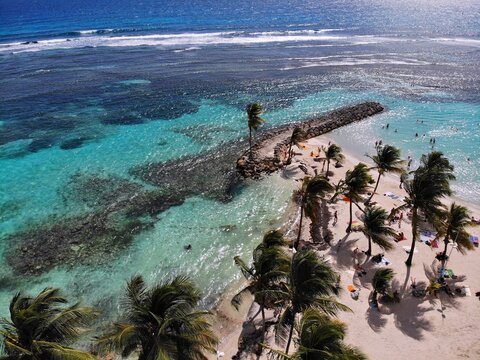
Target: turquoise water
217, 231
95, 88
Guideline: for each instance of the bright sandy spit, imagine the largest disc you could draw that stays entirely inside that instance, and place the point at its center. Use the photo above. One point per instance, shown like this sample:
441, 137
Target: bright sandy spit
416, 328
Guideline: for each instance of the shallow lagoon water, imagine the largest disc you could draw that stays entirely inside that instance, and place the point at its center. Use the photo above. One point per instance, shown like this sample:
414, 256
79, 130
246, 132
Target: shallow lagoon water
127, 88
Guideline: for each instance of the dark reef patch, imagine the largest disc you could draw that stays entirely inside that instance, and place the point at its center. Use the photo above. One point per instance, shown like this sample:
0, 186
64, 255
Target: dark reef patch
73, 143
202, 133
94, 238
40, 144
10, 209
169, 110
121, 209
210, 174
122, 118
99, 191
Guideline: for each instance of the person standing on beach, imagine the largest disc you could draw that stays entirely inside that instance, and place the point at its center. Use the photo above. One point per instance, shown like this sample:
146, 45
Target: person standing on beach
335, 218
402, 179
400, 218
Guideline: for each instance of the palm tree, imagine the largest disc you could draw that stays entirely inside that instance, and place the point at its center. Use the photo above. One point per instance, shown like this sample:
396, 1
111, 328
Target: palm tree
381, 283
298, 135
270, 267
320, 337
386, 160
375, 228
355, 185
312, 283
453, 227
430, 183
333, 152
162, 322
40, 328
254, 111
311, 190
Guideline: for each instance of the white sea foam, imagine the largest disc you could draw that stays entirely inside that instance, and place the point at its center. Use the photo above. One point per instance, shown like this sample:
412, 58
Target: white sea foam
342, 60
458, 41
190, 40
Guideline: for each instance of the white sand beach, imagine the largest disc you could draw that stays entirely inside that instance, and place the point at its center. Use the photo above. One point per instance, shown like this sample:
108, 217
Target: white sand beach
415, 328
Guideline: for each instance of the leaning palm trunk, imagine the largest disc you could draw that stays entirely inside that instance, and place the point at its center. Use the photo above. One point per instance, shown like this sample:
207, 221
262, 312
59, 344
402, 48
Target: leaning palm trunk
349, 227
290, 334
414, 236
295, 245
374, 190
444, 253
369, 251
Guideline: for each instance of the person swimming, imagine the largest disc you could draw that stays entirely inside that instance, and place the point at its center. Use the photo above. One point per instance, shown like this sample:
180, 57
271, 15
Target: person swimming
188, 247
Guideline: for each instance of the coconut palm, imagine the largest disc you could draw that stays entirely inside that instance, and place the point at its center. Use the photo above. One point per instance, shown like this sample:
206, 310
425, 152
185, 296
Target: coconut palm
332, 152
437, 162
42, 327
430, 183
311, 190
254, 111
298, 135
381, 283
386, 160
375, 229
453, 228
162, 322
270, 266
311, 283
356, 184
320, 337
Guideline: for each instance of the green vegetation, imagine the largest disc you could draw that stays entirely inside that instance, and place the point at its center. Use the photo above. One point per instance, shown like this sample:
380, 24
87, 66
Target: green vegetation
298, 134
375, 229
355, 185
254, 111
269, 269
332, 152
386, 160
311, 190
161, 322
430, 183
43, 328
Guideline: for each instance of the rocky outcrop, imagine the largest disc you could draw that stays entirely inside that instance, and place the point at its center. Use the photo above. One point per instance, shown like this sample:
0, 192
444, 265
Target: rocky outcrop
254, 166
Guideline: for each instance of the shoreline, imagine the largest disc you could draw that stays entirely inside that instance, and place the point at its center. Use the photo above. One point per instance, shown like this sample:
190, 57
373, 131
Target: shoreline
412, 327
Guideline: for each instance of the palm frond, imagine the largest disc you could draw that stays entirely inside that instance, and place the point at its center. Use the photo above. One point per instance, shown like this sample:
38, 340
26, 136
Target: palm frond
121, 336
69, 323
246, 271
57, 352
237, 299
283, 325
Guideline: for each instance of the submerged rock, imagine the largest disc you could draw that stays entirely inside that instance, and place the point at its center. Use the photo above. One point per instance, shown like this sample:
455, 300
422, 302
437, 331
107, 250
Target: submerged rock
72, 143
39, 144
84, 239
121, 209
211, 174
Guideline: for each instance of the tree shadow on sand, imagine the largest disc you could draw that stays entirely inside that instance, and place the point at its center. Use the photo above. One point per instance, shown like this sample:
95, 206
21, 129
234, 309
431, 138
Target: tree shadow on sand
375, 319
342, 252
410, 317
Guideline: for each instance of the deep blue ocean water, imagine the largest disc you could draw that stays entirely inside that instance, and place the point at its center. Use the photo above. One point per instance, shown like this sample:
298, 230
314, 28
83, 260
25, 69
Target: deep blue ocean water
98, 88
